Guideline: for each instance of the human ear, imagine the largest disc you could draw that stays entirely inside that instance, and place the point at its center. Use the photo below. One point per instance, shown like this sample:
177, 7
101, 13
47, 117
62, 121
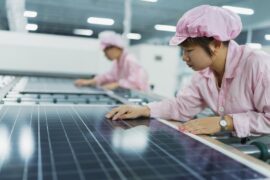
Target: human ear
215, 45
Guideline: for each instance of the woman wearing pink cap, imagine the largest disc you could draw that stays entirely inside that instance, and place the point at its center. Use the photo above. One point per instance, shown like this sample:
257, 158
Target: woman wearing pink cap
230, 79
126, 72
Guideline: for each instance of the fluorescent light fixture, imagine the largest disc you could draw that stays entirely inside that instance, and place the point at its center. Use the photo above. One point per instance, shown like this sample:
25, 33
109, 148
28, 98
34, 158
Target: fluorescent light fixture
30, 14
255, 45
240, 10
100, 21
83, 32
134, 36
31, 27
150, 1
161, 27
267, 37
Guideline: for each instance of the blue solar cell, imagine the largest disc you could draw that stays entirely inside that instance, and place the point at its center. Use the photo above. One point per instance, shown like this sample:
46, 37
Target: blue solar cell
77, 142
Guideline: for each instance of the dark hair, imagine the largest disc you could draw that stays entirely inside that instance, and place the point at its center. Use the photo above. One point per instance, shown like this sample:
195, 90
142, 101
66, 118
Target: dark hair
204, 42
111, 46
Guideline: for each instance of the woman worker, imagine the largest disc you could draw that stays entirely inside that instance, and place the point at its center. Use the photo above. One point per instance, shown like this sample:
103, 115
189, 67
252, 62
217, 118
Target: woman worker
125, 72
232, 80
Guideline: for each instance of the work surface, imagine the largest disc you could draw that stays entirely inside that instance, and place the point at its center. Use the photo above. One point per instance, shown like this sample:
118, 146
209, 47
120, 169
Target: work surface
73, 140
77, 142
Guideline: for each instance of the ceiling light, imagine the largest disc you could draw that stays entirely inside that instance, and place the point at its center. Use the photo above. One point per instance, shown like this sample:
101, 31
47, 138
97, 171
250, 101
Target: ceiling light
255, 45
240, 10
150, 0
267, 37
134, 36
83, 32
169, 28
100, 21
31, 27
30, 14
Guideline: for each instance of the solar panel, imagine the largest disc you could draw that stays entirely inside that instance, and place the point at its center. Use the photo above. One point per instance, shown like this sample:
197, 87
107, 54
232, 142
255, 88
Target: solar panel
58, 98
77, 142
52, 85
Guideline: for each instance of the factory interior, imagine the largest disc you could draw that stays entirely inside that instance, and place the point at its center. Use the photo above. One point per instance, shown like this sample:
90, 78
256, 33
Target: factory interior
134, 89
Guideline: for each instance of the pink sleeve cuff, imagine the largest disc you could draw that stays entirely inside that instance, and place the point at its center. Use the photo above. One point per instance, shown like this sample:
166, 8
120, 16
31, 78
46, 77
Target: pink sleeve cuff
125, 84
98, 79
154, 109
241, 124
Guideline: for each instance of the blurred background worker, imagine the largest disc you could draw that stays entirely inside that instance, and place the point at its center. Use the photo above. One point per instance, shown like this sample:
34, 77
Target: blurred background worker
125, 72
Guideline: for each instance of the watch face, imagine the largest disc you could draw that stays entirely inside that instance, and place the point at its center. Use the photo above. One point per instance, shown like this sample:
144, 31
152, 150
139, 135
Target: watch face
223, 123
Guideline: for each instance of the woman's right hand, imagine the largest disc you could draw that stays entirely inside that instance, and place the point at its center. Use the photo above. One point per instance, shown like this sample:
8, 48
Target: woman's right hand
85, 82
128, 112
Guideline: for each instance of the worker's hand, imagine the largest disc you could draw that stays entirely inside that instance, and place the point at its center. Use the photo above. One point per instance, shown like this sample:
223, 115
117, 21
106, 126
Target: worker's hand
128, 112
111, 86
208, 125
85, 82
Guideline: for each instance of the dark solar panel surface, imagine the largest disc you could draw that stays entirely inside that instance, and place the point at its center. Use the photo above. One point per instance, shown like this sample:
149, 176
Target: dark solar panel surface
77, 142
55, 85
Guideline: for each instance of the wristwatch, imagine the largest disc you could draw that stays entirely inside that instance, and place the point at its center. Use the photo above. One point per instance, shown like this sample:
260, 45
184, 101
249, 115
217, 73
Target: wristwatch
223, 124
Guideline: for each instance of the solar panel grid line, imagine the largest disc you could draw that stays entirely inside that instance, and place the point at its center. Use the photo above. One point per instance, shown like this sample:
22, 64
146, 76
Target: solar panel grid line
166, 163
9, 138
54, 173
76, 130
2, 114
19, 169
25, 171
147, 164
127, 166
232, 175
92, 150
78, 153
198, 165
164, 166
67, 168
229, 154
229, 171
103, 124
81, 175
61, 166
40, 172
149, 175
174, 159
123, 121
121, 175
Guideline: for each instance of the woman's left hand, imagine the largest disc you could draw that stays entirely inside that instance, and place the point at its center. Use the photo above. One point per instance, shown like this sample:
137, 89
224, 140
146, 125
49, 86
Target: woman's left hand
208, 125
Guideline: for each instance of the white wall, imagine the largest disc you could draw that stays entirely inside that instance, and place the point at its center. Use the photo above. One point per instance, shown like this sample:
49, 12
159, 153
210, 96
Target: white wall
50, 53
162, 73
